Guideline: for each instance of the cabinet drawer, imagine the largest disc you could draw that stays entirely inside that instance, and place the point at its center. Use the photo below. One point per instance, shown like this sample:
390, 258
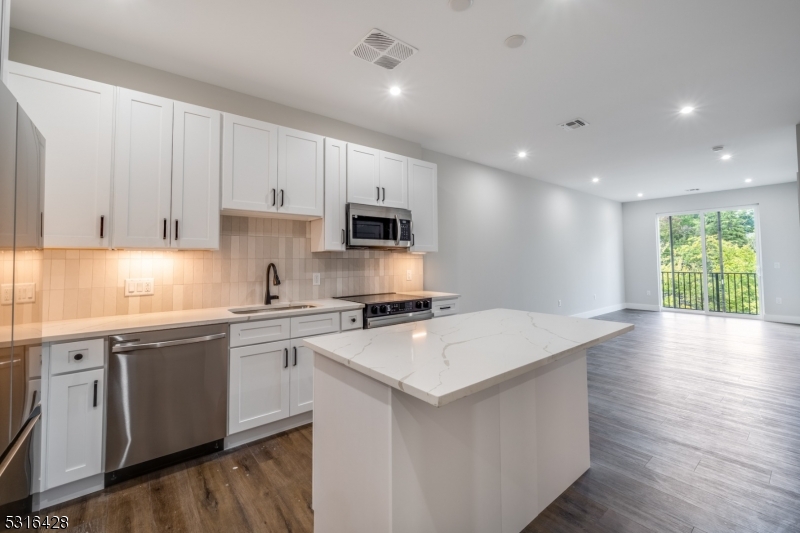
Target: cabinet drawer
352, 320
445, 307
78, 355
306, 326
260, 331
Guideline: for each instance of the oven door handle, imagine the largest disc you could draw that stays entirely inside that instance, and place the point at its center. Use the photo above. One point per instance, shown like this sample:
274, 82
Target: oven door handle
164, 344
379, 321
397, 238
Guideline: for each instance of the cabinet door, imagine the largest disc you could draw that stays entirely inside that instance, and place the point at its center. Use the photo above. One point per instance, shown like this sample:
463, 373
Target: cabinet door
302, 371
74, 427
195, 177
300, 172
422, 193
76, 118
394, 180
259, 385
363, 171
328, 234
142, 170
30, 184
249, 164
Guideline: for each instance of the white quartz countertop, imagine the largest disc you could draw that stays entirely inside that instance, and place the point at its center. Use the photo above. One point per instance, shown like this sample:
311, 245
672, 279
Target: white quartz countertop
432, 294
114, 325
444, 359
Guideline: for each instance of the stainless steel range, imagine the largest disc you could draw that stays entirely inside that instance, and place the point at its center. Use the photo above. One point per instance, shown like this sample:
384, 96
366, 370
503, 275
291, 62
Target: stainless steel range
391, 308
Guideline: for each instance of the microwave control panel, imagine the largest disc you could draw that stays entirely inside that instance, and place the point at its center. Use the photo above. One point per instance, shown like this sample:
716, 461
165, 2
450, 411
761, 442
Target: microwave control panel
405, 230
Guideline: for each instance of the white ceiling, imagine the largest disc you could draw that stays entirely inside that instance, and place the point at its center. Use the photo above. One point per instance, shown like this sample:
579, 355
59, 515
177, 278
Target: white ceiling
626, 66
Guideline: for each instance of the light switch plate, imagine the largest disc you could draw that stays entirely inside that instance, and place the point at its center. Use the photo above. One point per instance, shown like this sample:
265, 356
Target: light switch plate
316, 278
25, 293
139, 287
408, 275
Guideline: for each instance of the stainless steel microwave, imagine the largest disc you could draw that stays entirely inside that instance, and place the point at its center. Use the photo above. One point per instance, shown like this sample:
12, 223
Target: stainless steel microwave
370, 226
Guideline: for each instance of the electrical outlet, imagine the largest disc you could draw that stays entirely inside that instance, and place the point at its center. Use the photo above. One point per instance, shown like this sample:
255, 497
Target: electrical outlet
7, 292
139, 287
408, 275
316, 278
559, 303
777, 265
778, 300
25, 293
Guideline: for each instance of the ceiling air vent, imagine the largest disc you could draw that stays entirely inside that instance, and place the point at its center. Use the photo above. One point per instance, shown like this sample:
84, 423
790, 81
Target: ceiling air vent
574, 124
380, 48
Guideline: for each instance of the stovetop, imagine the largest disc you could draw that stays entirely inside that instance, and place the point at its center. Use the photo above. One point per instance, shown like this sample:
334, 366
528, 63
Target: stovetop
383, 298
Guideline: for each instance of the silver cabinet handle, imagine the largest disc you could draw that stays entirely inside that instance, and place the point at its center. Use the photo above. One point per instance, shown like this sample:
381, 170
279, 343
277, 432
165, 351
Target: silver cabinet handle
163, 344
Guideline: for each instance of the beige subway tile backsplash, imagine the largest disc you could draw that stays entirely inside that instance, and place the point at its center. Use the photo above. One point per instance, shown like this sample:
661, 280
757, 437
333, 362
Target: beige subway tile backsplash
89, 283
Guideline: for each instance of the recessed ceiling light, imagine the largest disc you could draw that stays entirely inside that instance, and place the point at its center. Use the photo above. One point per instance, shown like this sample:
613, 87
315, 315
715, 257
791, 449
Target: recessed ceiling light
460, 5
725, 157
395, 91
688, 110
515, 41
595, 180
748, 180
522, 155
640, 194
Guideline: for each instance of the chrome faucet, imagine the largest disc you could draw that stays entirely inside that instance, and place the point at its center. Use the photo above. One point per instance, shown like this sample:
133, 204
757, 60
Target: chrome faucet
275, 281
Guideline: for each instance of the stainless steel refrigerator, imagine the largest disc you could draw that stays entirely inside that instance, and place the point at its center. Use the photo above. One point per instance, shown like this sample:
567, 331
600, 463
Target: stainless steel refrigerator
22, 157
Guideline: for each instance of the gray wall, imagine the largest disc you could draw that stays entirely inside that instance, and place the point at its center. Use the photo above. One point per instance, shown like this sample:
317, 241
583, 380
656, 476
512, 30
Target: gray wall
780, 242
510, 241
46, 53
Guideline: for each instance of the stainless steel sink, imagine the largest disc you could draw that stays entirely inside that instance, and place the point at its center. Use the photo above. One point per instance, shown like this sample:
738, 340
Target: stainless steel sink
269, 309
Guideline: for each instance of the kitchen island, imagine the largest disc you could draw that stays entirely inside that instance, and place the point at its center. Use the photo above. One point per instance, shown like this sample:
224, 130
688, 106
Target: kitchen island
468, 423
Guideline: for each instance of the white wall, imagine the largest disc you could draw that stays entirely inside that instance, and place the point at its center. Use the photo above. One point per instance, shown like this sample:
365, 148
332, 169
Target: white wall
46, 53
510, 241
780, 243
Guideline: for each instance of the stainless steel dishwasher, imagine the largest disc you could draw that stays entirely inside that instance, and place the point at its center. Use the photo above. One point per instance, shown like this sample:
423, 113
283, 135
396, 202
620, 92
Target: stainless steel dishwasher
167, 398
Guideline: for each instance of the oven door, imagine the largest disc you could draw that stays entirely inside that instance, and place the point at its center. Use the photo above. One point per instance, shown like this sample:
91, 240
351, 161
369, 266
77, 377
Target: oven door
378, 227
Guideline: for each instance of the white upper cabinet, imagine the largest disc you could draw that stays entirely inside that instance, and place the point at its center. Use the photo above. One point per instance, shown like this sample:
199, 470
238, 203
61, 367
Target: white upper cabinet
249, 165
76, 118
195, 177
30, 161
328, 233
300, 173
422, 192
142, 170
363, 175
394, 180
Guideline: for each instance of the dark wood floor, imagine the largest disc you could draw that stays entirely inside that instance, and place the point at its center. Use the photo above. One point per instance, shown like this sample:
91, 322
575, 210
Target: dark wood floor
695, 428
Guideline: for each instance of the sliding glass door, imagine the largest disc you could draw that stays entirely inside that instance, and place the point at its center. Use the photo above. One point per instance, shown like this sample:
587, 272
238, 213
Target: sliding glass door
709, 261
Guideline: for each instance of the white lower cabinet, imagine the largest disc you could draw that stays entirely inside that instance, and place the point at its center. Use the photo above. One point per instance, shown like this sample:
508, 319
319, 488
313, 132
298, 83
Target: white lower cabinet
75, 427
259, 385
302, 377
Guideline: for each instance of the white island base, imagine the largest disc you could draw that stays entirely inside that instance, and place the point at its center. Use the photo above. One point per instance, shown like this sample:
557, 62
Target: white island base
386, 462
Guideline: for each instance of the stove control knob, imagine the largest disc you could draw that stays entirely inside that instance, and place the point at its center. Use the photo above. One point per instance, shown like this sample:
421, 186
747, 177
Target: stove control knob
384, 309
418, 304
374, 309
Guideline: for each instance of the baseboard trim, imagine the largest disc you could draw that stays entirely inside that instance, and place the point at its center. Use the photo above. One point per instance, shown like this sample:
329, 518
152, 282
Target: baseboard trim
267, 430
601, 311
783, 319
69, 491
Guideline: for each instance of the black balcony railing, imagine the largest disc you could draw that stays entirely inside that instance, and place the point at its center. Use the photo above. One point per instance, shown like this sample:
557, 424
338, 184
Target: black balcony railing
731, 292
682, 290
